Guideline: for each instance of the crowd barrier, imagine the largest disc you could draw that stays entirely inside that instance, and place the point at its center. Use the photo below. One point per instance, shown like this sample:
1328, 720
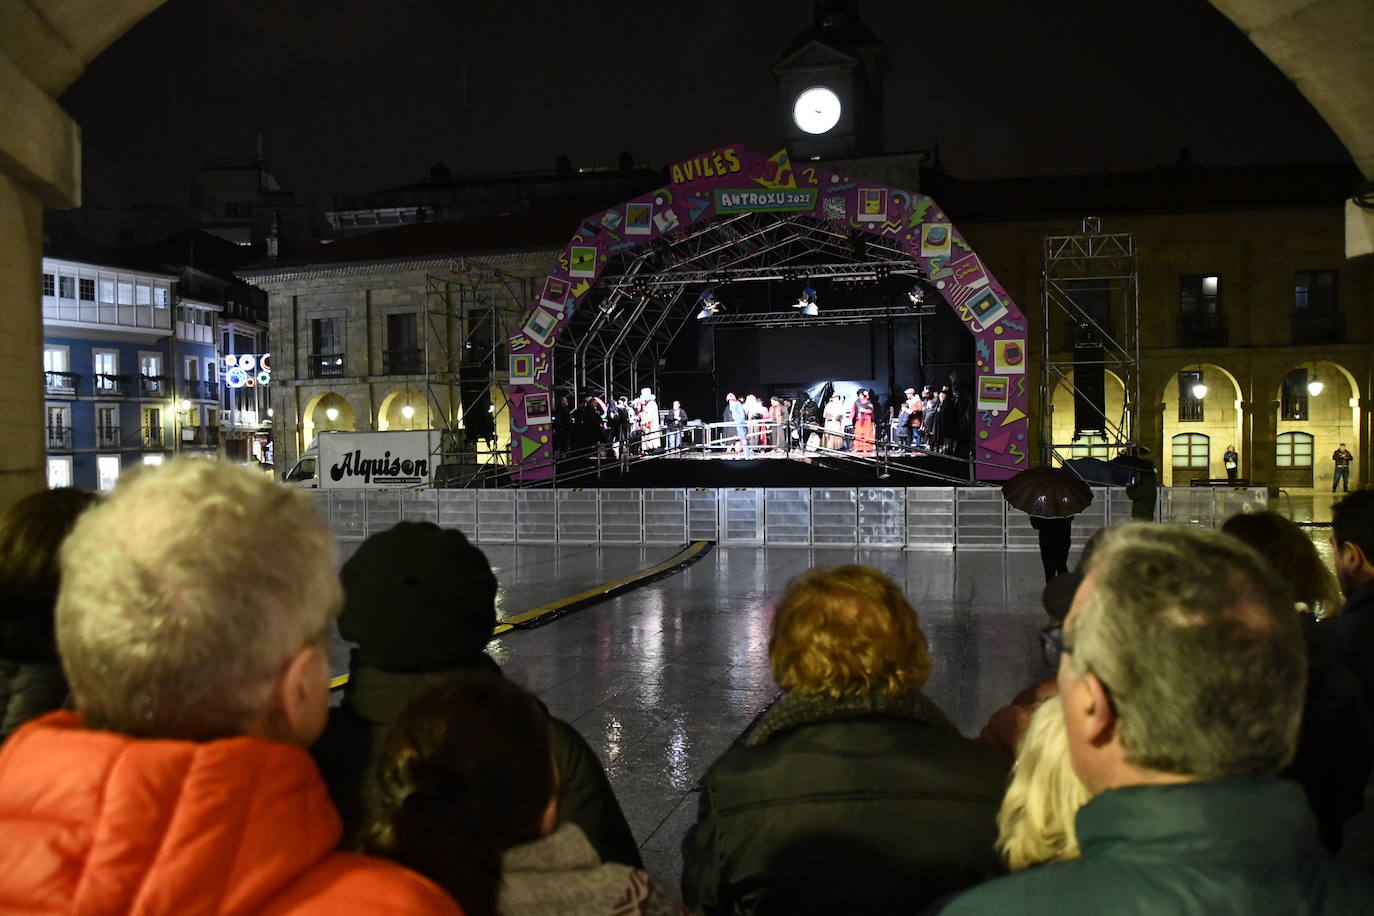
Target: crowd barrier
914, 518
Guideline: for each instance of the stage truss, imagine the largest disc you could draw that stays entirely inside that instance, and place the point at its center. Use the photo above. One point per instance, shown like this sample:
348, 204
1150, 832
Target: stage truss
1090, 310
645, 299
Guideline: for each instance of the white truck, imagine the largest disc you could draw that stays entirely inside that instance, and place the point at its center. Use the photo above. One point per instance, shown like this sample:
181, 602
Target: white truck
394, 459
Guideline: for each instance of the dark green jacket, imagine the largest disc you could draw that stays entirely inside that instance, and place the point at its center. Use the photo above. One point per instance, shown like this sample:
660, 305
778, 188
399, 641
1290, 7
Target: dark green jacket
1210, 848
351, 747
865, 805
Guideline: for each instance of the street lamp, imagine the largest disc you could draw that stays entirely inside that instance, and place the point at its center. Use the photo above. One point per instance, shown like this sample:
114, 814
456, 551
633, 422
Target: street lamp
331, 414
407, 411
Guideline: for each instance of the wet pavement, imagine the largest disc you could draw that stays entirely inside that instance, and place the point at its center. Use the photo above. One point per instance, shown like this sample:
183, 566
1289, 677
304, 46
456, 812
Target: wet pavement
662, 680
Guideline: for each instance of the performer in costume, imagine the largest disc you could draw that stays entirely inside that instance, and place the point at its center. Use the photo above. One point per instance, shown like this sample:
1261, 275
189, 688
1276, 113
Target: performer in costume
648, 419
834, 423
862, 417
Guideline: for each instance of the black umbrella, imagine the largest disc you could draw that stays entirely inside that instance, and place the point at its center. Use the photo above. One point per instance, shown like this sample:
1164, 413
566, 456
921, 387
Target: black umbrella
1047, 492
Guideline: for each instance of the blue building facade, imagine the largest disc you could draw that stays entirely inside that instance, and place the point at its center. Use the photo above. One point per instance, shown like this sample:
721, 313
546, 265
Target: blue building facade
109, 382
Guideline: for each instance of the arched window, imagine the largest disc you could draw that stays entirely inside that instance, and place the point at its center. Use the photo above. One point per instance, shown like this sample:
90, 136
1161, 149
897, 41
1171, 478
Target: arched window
1293, 460
1090, 445
1191, 450
1293, 450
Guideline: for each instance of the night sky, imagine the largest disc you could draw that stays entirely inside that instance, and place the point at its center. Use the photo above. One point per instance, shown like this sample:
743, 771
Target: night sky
358, 95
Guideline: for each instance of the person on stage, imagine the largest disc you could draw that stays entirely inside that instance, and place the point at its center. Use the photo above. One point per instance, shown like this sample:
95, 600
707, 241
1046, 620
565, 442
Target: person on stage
677, 418
834, 423
862, 417
648, 419
734, 413
777, 430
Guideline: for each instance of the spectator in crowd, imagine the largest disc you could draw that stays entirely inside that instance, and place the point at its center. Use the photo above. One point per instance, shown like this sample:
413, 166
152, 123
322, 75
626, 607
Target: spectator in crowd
31, 679
1181, 682
854, 794
1035, 824
1336, 740
199, 668
468, 795
420, 602
1352, 540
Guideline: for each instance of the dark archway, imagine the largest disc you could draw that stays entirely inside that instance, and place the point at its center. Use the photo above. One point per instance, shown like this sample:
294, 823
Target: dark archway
732, 209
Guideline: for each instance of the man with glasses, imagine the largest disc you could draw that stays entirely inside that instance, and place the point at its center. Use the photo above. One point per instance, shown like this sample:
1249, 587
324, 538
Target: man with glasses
1181, 678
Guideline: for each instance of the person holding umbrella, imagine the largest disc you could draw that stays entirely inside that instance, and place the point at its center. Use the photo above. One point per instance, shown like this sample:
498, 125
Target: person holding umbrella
1051, 497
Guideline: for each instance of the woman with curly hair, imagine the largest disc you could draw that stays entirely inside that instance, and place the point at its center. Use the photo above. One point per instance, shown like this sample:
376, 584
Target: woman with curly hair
854, 794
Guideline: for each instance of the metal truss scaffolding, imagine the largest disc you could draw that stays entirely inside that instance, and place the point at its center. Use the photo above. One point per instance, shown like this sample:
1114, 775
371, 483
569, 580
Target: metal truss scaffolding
644, 299
1090, 310
465, 340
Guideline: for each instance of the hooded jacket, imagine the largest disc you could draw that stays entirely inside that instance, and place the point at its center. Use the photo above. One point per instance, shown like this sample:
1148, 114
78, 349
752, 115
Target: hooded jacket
98, 822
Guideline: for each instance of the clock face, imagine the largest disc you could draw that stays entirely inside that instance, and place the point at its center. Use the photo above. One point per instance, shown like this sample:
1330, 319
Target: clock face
816, 110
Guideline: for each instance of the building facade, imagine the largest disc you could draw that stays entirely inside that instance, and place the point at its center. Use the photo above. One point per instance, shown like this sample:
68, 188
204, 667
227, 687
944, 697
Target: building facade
107, 379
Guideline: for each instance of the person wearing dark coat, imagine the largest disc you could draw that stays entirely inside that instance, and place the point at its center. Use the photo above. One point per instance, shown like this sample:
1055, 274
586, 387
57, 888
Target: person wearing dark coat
1181, 687
419, 601
1056, 539
31, 678
854, 794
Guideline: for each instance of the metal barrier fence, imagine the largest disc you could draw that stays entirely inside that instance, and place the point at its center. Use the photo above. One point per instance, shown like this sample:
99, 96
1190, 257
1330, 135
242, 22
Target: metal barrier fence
915, 518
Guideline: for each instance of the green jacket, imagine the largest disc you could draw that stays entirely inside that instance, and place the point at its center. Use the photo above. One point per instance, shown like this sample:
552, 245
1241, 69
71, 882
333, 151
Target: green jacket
1222, 848
351, 747
863, 805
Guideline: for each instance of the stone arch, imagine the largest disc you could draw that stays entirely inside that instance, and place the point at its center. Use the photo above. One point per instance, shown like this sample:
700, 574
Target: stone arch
315, 416
1222, 422
1061, 415
391, 409
838, 214
1331, 417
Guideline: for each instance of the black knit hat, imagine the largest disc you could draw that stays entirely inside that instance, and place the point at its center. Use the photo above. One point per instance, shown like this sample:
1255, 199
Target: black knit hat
417, 598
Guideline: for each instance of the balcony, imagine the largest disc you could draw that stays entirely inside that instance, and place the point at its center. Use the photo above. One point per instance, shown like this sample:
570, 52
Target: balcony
59, 437
326, 365
154, 438
60, 382
199, 390
154, 386
108, 385
1318, 326
1202, 330
107, 437
200, 436
402, 362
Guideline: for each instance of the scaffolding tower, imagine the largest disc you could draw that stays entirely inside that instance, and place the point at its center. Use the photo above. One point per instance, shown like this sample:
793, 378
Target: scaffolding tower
1090, 314
465, 343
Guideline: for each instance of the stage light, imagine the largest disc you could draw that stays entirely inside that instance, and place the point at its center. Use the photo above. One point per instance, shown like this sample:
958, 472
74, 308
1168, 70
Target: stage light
917, 294
807, 300
710, 305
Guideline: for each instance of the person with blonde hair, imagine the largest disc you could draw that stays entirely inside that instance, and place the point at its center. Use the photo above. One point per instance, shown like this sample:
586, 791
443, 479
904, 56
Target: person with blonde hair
193, 622
1035, 823
854, 794
1181, 684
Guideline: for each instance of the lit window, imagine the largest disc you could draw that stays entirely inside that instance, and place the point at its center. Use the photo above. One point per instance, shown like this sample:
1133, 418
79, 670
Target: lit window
67, 287
1190, 450
159, 297
106, 472
142, 295
1293, 450
126, 294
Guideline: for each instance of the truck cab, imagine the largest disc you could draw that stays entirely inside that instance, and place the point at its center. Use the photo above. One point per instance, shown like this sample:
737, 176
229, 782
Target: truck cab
305, 473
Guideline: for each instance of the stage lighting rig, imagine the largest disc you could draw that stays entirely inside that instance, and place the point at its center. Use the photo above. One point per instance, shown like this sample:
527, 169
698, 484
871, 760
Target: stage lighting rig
710, 305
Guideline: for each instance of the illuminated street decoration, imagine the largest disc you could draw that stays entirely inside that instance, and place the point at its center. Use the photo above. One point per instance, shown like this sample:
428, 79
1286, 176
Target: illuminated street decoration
245, 370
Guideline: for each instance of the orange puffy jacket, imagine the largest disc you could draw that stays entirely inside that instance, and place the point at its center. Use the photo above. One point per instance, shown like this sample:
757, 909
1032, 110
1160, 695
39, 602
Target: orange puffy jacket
97, 822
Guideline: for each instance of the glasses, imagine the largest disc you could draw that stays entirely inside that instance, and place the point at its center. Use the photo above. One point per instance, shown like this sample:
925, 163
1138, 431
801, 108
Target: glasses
1052, 646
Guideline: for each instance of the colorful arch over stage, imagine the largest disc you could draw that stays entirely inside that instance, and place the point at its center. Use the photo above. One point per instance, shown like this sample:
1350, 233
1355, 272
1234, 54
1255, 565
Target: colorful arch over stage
733, 180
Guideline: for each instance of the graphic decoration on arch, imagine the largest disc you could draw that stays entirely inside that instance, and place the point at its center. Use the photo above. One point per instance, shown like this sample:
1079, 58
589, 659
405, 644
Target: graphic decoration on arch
733, 179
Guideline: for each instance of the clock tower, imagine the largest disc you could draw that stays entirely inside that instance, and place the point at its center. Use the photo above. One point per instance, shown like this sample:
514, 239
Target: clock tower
831, 86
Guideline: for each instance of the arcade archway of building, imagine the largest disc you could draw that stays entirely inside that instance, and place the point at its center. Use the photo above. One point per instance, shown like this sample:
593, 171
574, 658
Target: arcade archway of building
731, 215
1317, 409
